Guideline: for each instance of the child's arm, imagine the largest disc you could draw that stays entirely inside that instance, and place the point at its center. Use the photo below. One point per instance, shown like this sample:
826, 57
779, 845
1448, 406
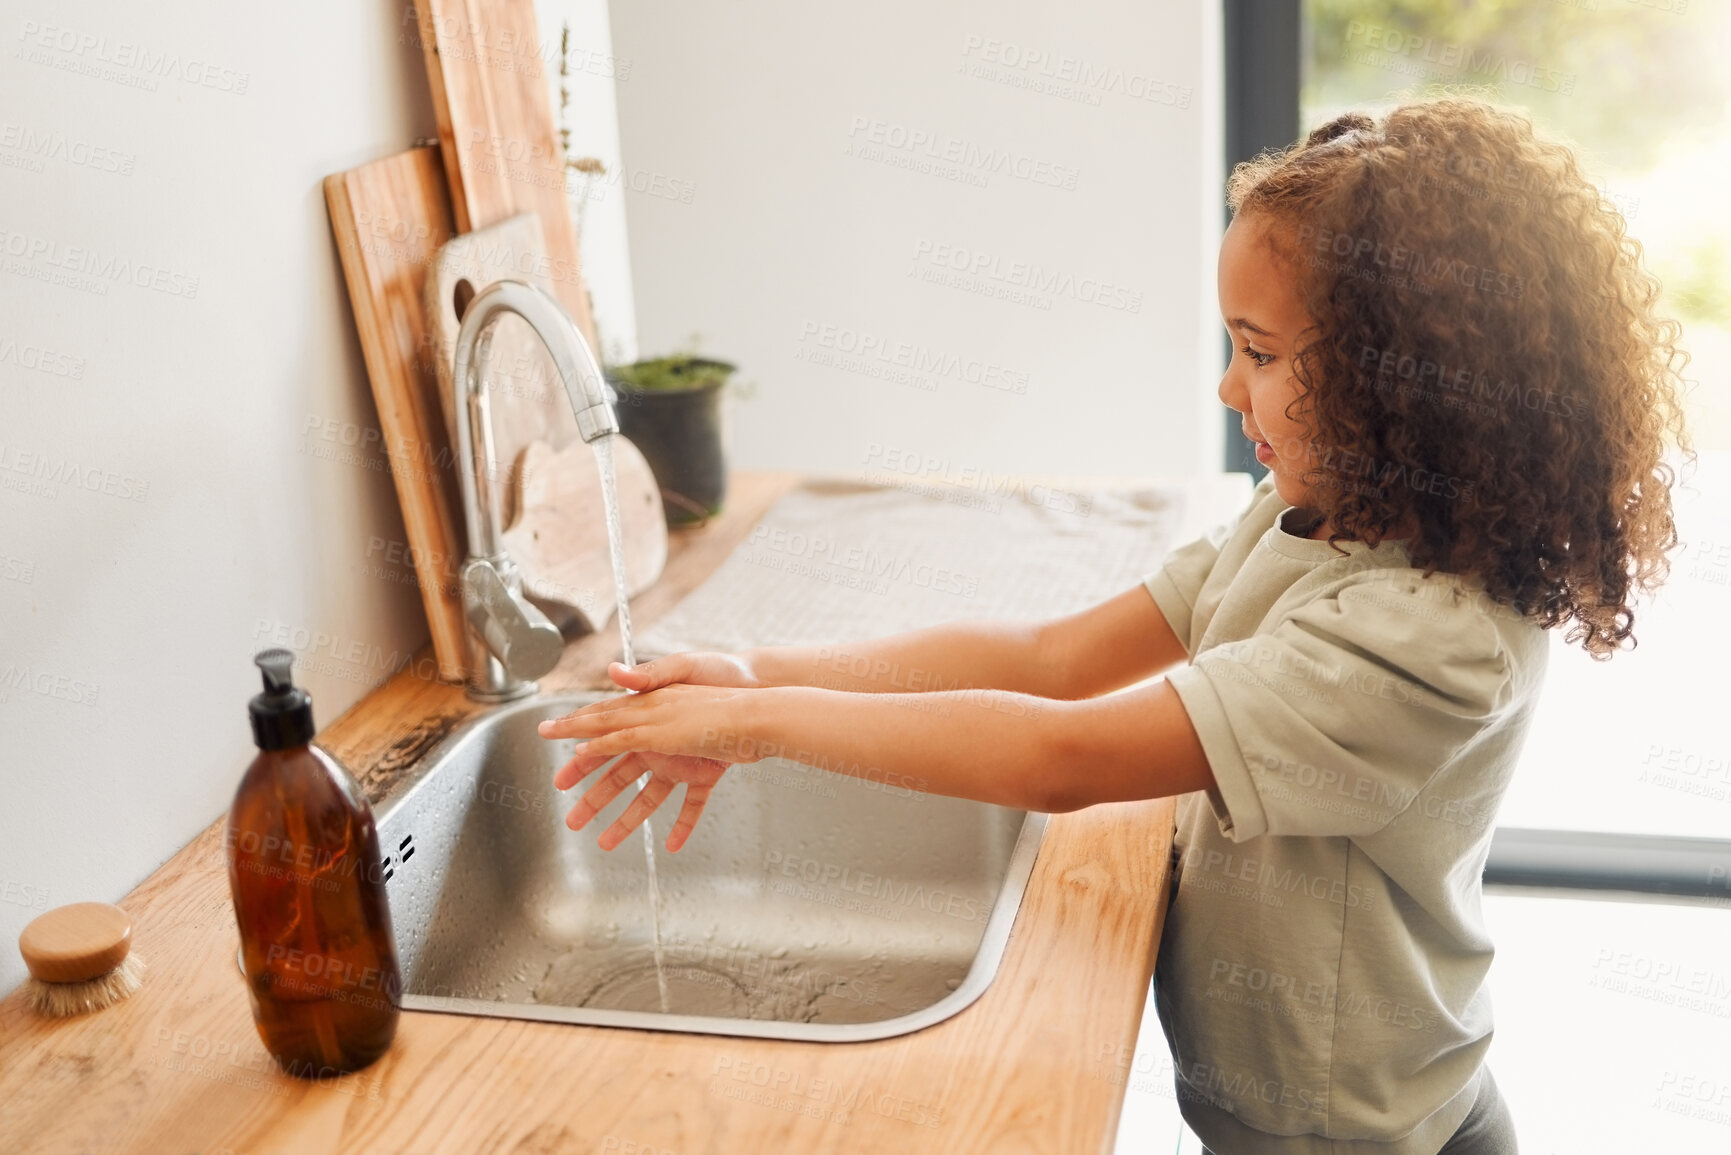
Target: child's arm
995, 746
1095, 651
1077, 657
990, 745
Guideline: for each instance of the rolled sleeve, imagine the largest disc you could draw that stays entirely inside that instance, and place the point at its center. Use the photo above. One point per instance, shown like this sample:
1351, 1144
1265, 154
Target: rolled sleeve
1233, 797
1176, 603
1331, 720
1176, 585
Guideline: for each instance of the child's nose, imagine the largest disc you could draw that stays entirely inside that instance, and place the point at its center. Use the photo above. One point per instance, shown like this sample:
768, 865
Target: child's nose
1232, 394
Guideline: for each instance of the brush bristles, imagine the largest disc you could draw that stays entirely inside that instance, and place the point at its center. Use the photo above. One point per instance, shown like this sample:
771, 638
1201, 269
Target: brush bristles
61, 1000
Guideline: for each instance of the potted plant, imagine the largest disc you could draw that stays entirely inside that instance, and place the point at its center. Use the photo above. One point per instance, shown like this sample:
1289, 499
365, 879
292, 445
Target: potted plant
670, 408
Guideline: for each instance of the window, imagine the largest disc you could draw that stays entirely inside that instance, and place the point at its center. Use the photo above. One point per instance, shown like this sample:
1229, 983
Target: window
1641, 744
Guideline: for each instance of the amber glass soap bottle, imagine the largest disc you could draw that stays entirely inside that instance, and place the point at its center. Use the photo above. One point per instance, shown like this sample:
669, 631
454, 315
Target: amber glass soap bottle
309, 895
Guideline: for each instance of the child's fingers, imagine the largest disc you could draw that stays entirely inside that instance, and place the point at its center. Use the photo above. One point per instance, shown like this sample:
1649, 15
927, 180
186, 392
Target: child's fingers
587, 721
580, 767
640, 809
628, 677
641, 677
648, 676
623, 740
696, 798
606, 788
573, 726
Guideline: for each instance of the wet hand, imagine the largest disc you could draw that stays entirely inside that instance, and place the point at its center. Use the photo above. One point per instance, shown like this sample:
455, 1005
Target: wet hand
669, 733
694, 667
665, 772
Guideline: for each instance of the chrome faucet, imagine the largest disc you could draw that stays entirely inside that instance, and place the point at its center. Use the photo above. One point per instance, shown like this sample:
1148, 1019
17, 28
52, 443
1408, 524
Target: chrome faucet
511, 643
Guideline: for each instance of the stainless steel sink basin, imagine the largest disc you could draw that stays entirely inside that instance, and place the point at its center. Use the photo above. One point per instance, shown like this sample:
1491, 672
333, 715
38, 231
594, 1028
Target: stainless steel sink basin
807, 905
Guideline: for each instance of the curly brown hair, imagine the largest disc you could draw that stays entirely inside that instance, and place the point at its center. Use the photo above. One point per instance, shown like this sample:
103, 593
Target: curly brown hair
1487, 349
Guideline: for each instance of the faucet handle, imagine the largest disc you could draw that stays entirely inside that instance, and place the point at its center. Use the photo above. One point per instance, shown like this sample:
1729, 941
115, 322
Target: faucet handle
524, 641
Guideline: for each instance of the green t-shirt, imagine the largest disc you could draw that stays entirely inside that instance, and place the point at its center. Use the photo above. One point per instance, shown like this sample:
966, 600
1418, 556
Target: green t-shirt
1321, 974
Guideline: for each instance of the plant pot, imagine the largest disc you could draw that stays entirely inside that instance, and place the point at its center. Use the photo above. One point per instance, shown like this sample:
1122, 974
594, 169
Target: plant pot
679, 433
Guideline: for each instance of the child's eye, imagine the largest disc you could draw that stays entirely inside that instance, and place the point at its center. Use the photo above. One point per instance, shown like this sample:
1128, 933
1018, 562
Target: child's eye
1261, 359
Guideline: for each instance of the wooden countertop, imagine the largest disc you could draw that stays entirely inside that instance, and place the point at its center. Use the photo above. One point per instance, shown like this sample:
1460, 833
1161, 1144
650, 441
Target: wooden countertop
1038, 1064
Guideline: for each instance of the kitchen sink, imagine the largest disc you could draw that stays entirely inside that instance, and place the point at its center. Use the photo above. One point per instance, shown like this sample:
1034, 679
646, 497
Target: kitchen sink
807, 905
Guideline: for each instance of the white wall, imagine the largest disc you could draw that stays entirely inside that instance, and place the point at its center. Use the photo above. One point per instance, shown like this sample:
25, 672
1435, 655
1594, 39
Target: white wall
594, 69
757, 222
129, 610
128, 617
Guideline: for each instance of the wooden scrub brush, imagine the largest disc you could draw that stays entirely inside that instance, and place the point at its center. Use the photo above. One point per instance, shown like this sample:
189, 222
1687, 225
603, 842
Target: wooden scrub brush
80, 959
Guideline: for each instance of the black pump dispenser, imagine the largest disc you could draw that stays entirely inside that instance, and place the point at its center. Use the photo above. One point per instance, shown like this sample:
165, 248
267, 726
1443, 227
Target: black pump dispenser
282, 716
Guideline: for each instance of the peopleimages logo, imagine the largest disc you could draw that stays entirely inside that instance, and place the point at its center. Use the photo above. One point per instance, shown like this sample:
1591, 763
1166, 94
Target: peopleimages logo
797, 1092
1457, 386
1401, 265
1086, 77
41, 359
91, 50
968, 156
1266, 877
48, 685
38, 145
913, 356
104, 267
896, 463
893, 893
1415, 52
934, 261
865, 561
43, 473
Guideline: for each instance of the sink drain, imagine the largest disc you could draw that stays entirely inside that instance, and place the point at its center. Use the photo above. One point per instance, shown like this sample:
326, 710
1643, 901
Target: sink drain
691, 990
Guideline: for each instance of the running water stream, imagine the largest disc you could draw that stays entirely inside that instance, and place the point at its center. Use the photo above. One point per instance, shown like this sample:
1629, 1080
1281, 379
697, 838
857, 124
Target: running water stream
616, 546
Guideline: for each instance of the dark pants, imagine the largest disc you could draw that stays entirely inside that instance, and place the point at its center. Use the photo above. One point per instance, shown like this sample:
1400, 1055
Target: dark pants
1488, 1129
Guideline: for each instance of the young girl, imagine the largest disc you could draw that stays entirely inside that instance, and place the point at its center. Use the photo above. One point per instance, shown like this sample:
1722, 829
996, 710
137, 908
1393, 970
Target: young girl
1450, 361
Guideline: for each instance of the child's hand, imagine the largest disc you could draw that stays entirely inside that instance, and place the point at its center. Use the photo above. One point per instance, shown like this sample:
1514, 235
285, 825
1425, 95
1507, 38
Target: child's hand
668, 733
695, 667
665, 772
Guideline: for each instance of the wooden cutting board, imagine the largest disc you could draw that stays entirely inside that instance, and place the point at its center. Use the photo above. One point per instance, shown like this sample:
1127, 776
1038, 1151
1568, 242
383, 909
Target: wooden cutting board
526, 398
488, 68
389, 218
559, 541
563, 555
